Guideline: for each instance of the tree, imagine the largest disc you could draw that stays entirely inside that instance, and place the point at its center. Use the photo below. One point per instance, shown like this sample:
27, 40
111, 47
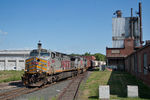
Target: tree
100, 57
87, 54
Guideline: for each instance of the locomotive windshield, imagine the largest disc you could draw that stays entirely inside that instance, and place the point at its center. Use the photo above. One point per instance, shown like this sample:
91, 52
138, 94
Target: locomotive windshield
42, 53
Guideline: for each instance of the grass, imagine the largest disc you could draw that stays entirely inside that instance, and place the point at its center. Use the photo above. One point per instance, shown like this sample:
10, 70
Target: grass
12, 75
54, 98
118, 82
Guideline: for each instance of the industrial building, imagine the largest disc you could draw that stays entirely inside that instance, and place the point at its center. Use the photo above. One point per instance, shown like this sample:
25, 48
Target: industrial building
13, 59
126, 38
128, 52
138, 63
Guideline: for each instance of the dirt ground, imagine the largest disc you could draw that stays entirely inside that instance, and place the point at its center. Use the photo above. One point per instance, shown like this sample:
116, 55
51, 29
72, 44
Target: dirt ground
9, 85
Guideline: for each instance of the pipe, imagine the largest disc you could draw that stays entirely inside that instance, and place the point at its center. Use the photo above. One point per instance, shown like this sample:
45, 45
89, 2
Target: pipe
131, 19
140, 15
131, 12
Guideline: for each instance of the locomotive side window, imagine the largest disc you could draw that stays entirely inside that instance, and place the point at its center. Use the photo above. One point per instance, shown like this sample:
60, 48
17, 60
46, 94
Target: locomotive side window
72, 59
57, 54
53, 55
79, 59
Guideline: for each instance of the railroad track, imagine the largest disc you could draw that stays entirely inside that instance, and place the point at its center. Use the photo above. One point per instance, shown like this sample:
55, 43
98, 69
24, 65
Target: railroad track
70, 93
16, 92
20, 91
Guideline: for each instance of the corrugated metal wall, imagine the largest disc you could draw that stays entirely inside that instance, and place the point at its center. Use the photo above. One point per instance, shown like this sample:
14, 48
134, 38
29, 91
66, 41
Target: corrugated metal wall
121, 30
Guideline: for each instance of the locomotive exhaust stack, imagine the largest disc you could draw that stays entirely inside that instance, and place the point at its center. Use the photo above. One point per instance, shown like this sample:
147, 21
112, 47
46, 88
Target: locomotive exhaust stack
39, 47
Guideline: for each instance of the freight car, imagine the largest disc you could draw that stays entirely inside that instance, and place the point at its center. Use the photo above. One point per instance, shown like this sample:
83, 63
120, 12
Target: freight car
45, 66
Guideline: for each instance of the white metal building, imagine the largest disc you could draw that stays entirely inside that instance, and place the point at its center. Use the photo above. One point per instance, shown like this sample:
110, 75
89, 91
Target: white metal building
13, 59
121, 29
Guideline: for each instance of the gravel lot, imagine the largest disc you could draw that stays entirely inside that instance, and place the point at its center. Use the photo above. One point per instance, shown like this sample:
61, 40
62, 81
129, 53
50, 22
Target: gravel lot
46, 93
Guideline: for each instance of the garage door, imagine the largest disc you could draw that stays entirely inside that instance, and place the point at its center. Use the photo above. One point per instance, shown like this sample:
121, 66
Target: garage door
11, 65
2, 64
21, 65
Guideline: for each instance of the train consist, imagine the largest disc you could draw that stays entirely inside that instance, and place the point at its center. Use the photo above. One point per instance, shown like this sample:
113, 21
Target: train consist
44, 66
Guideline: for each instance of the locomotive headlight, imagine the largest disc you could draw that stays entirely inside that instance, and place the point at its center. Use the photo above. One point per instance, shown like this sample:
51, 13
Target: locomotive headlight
38, 70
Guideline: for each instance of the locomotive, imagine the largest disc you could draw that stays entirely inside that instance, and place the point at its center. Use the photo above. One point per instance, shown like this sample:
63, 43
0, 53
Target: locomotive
44, 66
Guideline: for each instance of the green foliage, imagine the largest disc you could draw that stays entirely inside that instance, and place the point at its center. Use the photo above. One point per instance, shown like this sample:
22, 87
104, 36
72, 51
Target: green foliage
12, 75
87, 54
98, 56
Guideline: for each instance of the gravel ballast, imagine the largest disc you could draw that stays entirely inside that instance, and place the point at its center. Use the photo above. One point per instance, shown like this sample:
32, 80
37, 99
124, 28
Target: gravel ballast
46, 93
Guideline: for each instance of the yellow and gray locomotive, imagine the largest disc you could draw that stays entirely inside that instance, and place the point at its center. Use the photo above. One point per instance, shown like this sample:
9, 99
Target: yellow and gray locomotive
44, 66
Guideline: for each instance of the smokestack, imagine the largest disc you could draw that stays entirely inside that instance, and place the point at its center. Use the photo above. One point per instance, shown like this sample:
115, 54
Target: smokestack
131, 12
39, 48
140, 15
131, 21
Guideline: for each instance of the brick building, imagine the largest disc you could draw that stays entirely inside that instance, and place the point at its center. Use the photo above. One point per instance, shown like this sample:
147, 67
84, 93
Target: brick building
129, 53
116, 56
126, 38
138, 63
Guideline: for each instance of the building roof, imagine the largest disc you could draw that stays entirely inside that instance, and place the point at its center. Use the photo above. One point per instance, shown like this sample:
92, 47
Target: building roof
14, 52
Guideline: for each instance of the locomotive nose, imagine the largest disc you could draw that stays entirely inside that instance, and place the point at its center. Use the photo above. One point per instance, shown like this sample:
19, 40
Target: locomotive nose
36, 64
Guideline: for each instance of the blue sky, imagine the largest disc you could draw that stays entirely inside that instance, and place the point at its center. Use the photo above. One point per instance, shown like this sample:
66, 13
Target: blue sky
69, 26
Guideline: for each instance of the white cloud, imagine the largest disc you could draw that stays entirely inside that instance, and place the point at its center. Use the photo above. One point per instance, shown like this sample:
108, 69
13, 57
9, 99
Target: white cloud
3, 32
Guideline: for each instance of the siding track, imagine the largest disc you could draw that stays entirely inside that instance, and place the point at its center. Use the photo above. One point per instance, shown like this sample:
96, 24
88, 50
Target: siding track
70, 93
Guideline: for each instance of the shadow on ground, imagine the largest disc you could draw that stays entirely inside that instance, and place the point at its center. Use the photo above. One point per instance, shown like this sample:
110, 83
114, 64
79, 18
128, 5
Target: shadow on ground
93, 97
118, 82
93, 69
16, 83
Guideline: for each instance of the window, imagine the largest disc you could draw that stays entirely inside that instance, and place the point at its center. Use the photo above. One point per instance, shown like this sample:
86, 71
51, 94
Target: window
135, 62
57, 54
21, 60
139, 63
72, 59
42, 53
11, 60
145, 64
132, 63
53, 55
2, 60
